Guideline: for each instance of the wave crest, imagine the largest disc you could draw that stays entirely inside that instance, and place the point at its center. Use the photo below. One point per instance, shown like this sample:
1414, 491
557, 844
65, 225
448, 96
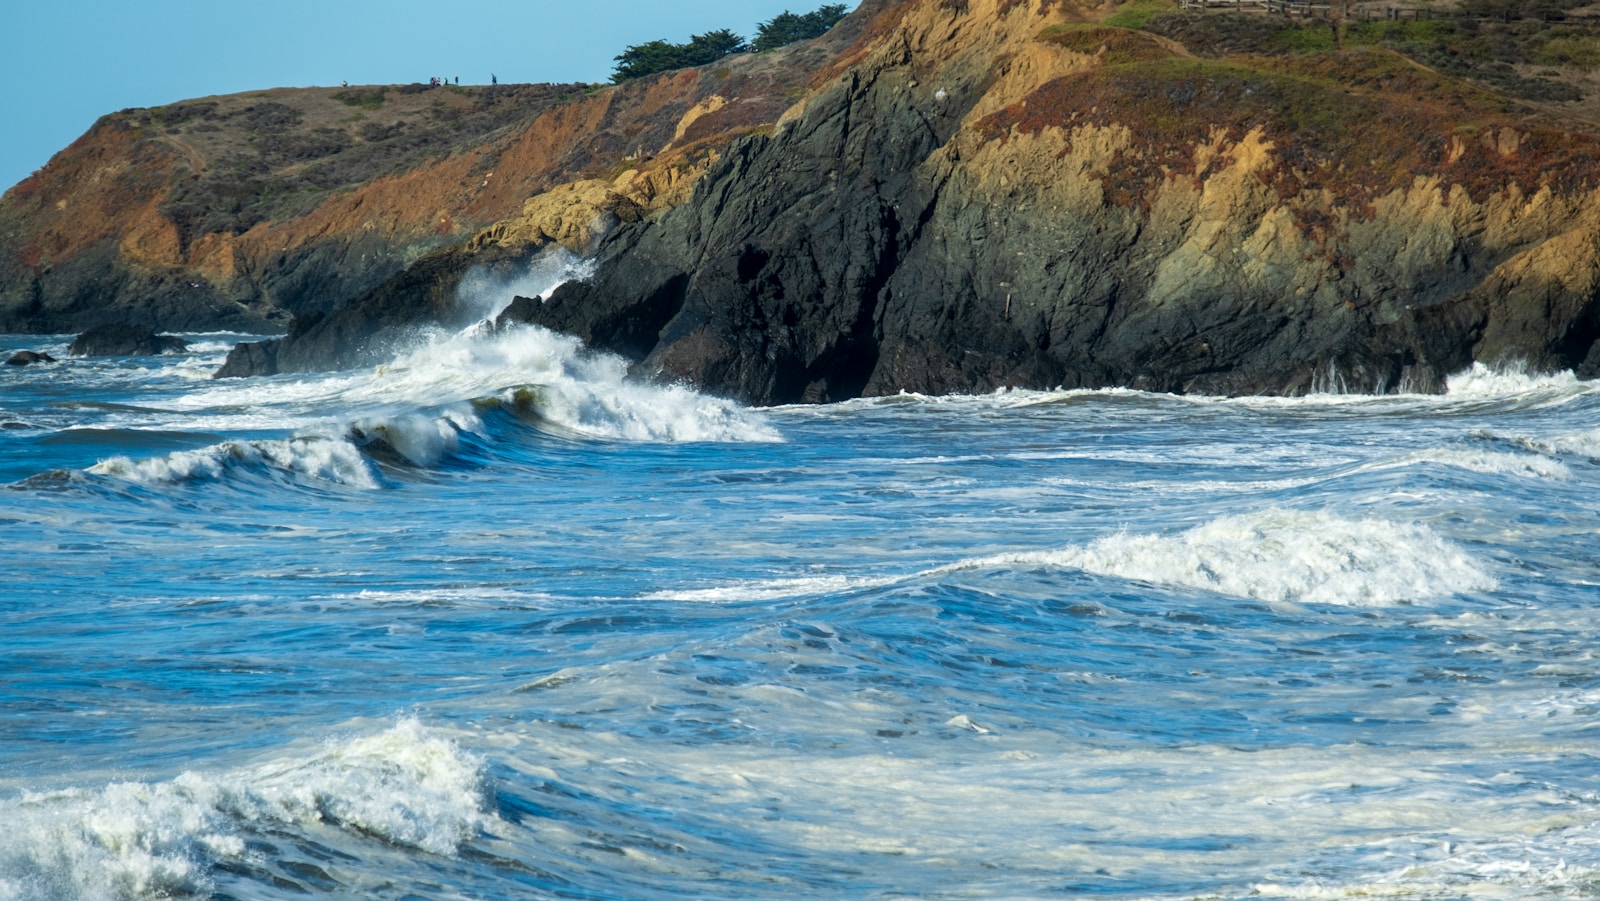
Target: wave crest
1282, 555
1485, 382
325, 459
139, 840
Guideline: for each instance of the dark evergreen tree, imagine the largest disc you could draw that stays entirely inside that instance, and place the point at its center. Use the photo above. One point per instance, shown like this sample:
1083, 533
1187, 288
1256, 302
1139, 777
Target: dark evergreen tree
662, 56
786, 27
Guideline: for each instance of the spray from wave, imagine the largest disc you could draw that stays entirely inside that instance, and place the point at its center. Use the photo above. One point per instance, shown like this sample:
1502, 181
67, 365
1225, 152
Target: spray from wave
415, 410
1480, 382
405, 786
484, 293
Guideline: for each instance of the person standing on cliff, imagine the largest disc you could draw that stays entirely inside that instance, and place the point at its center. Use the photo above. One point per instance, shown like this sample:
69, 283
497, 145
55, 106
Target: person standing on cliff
493, 79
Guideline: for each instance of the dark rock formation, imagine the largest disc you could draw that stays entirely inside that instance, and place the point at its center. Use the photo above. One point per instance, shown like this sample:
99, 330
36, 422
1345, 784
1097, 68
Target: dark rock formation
121, 339
28, 357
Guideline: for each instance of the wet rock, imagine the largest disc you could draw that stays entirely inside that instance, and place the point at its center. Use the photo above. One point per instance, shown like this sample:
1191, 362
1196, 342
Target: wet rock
28, 358
121, 339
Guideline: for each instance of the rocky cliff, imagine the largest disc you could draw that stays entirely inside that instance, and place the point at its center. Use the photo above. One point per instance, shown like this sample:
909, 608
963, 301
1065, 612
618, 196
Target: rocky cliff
1005, 193
968, 194
244, 211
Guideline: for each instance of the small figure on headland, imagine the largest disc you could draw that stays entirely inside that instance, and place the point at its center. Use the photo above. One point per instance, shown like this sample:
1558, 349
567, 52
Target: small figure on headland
458, 80
493, 79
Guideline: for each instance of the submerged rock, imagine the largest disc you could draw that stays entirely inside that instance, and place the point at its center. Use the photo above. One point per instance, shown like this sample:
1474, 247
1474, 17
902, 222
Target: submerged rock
121, 339
29, 357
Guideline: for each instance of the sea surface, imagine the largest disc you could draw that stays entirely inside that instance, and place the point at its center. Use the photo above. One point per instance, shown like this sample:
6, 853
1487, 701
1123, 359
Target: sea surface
492, 621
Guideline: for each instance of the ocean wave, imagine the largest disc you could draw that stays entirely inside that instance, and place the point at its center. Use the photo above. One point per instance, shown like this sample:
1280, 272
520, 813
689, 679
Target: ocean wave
318, 458
1584, 444
1554, 860
1271, 555
550, 377
414, 439
1280, 555
484, 293
1486, 382
553, 379
1533, 466
405, 786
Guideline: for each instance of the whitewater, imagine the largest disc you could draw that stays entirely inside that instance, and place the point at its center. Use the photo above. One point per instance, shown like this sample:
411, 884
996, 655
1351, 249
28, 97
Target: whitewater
495, 620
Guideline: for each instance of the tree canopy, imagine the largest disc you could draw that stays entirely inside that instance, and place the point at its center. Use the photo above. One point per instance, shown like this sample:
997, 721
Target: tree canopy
662, 56
651, 57
786, 27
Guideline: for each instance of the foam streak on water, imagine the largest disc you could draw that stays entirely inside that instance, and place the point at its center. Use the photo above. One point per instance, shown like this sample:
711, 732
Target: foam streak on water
496, 621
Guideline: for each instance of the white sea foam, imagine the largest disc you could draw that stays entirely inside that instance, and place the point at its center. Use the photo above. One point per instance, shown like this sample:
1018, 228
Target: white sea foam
1029, 808
566, 386
1577, 444
1531, 466
1480, 381
326, 459
1280, 555
774, 589
585, 393
131, 840
1272, 555
421, 439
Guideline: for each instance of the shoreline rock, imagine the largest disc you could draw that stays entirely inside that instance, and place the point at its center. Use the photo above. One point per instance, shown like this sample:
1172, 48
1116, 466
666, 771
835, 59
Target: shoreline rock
28, 358
122, 339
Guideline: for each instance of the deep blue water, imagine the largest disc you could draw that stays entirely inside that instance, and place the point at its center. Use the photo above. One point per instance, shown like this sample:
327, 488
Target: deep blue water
493, 622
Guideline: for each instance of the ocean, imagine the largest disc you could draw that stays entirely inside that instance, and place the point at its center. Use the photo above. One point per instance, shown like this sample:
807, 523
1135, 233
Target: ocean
492, 621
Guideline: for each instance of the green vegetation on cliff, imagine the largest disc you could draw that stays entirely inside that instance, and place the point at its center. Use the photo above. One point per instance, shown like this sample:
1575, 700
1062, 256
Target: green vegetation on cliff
787, 27
1525, 58
653, 57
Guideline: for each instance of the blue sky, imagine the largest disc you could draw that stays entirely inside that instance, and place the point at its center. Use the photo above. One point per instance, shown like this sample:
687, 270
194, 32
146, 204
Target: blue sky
70, 61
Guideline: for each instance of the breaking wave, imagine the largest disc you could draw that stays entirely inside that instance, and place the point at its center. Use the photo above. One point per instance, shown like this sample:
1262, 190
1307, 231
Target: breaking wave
321, 459
1480, 382
131, 840
1272, 555
419, 408
1281, 555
